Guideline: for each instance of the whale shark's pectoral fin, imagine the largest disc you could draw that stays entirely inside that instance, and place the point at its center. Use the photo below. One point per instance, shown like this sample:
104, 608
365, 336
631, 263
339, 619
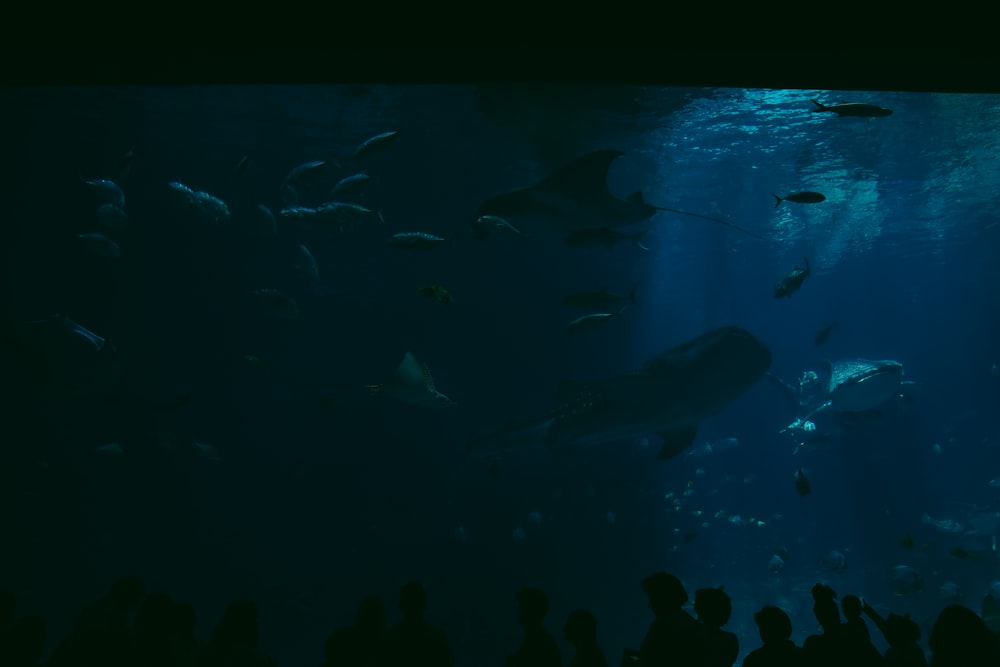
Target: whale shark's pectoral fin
676, 441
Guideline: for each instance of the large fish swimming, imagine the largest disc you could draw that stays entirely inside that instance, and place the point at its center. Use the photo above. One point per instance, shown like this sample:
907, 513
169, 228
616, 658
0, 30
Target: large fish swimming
850, 385
576, 197
412, 383
669, 396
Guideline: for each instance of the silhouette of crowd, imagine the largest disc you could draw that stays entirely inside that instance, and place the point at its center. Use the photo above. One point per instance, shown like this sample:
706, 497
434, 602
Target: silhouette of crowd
128, 627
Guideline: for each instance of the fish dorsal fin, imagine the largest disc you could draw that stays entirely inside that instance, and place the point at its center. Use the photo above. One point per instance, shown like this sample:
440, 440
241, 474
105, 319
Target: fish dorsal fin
587, 174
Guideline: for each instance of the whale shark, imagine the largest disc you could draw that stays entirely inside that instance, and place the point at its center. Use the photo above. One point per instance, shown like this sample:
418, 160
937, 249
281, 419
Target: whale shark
848, 385
855, 385
668, 396
574, 197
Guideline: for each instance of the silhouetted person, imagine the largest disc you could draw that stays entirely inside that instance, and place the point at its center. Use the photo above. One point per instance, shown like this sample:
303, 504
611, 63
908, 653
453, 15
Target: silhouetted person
827, 648
581, 632
538, 648
991, 615
775, 629
101, 634
855, 627
674, 639
713, 608
960, 637
362, 644
902, 635
857, 641
152, 640
25, 644
415, 642
234, 641
8, 605
184, 628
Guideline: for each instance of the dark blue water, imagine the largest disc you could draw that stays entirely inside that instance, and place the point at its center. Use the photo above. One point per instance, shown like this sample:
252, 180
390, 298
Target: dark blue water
311, 507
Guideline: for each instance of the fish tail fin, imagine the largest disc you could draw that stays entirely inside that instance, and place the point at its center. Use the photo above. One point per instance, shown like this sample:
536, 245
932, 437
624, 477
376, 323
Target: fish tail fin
381, 217
778, 200
631, 294
819, 106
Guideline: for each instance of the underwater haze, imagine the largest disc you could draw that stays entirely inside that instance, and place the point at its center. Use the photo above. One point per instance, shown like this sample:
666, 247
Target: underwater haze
298, 344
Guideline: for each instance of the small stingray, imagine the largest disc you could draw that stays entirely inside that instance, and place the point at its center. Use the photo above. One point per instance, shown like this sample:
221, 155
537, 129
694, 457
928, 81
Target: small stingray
412, 383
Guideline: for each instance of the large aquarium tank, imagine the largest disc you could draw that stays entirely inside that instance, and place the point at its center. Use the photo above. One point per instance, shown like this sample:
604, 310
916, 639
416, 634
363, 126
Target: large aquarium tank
302, 342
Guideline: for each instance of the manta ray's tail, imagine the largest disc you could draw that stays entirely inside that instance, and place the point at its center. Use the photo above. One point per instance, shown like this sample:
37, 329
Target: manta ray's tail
708, 217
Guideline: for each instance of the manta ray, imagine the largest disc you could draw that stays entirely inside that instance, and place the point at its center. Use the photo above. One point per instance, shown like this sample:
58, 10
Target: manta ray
412, 383
669, 396
576, 196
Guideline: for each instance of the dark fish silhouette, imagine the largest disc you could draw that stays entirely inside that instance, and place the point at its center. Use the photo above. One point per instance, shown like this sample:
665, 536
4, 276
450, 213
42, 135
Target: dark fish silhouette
576, 196
824, 334
804, 197
852, 109
791, 283
802, 484
672, 393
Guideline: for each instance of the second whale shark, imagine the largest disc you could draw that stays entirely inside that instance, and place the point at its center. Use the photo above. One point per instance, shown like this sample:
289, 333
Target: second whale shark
669, 396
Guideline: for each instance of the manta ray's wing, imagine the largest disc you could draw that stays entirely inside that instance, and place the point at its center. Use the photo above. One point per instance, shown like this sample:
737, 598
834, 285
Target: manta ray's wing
583, 179
582, 182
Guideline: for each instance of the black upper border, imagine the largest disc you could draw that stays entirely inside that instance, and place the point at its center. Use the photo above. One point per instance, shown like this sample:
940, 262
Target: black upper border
641, 66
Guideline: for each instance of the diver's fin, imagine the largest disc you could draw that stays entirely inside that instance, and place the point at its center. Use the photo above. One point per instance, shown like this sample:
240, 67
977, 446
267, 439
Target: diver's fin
676, 441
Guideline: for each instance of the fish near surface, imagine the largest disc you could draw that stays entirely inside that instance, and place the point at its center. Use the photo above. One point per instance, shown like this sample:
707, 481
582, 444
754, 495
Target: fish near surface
852, 109
804, 197
670, 395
